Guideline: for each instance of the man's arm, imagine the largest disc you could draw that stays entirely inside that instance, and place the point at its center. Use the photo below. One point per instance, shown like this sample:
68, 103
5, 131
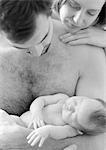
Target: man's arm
15, 139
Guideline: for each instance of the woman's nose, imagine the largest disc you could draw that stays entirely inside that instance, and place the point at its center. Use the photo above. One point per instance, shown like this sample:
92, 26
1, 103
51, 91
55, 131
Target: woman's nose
79, 18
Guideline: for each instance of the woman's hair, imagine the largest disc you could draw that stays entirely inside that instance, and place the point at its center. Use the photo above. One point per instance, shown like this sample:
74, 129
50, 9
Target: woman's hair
101, 19
18, 17
57, 4
98, 119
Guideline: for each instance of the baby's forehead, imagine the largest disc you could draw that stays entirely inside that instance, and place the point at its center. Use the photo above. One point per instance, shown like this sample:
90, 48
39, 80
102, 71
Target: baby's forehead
89, 106
95, 102
101, 101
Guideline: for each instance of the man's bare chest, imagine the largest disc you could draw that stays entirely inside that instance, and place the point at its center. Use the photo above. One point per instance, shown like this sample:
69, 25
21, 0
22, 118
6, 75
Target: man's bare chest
24, 78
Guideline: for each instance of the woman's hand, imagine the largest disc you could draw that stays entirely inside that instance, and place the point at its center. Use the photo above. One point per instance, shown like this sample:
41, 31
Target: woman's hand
39, 135
92, 36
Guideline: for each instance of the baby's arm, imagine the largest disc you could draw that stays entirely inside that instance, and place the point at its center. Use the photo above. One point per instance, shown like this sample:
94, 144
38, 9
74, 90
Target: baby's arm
55, 132
39, 103
91, 36
62, 132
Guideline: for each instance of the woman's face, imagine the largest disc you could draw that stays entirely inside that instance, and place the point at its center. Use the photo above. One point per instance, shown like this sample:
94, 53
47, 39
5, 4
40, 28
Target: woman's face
80, 14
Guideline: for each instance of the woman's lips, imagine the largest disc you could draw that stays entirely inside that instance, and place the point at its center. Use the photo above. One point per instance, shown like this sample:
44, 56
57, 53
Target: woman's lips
72, 27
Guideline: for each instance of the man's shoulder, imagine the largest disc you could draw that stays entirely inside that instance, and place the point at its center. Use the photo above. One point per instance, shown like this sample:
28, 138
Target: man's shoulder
88, 52
92, 60
94, 53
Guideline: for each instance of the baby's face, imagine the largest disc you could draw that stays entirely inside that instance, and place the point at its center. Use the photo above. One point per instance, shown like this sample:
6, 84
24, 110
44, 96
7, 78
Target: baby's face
77, 110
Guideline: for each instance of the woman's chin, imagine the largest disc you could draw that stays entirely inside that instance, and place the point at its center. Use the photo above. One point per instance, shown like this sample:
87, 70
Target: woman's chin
72, 30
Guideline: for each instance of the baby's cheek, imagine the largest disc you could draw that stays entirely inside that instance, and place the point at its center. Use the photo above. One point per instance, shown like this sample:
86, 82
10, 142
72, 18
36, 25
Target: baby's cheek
83, 120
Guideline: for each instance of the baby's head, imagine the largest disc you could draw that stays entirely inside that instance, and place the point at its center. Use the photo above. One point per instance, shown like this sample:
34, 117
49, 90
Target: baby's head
85, 114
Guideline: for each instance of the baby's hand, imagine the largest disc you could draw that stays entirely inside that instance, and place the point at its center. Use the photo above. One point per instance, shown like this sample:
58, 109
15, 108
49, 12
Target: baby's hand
38, 135
36, 120
92, 36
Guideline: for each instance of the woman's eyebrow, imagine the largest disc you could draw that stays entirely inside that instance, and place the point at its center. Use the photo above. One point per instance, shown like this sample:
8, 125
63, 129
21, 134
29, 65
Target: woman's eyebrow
94, 10
74, 2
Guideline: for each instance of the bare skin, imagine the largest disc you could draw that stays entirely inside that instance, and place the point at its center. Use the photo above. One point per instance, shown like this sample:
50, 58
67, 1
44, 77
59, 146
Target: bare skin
65, 70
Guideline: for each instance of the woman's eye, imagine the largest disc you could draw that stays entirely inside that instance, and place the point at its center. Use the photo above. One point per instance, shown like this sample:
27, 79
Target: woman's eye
91, 13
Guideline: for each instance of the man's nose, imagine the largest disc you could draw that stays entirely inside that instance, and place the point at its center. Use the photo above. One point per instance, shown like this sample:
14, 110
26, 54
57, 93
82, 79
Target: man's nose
79, 18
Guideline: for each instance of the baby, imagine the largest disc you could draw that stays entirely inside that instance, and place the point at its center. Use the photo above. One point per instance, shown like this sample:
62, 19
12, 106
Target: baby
59, 116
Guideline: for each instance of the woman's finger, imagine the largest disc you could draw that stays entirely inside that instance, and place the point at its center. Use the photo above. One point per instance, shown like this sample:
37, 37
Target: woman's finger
84, 31
74, 37
79, 41
65, 35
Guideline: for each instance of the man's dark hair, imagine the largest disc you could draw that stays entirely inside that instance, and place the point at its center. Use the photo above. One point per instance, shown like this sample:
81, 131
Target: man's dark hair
18, 17
101, 19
